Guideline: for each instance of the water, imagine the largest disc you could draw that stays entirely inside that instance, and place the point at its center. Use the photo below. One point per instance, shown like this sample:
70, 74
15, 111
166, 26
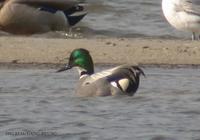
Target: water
40, 104
129, 18
124, 18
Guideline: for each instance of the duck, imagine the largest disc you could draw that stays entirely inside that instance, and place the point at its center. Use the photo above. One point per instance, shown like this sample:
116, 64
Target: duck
120, 80
39, 16
184, 15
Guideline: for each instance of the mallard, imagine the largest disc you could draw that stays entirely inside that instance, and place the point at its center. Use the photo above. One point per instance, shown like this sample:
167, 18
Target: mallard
38, 16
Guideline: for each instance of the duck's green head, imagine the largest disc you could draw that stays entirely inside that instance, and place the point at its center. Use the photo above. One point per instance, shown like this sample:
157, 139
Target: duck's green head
82, 59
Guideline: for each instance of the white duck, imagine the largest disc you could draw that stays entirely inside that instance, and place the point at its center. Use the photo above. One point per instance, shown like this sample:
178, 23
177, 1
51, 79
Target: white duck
183, 15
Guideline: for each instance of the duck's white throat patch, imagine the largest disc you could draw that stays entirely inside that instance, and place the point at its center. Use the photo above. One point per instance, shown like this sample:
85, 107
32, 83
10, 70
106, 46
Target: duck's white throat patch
80, 70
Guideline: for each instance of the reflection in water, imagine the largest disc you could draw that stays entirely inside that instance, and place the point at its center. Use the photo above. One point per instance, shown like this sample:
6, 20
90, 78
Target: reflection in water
41, 105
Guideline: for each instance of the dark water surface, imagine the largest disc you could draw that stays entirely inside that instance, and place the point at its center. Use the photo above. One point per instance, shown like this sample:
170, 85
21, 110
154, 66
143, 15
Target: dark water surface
40, 104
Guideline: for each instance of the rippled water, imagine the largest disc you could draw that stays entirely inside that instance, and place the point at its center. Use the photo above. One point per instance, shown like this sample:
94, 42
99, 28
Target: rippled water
128, 18
124, 18
40, 104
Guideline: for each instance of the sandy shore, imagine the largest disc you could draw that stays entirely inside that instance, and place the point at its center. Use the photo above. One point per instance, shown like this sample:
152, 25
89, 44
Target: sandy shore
38, 51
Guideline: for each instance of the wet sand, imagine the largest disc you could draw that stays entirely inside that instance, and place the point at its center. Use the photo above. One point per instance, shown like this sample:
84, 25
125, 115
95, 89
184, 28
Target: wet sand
37, 52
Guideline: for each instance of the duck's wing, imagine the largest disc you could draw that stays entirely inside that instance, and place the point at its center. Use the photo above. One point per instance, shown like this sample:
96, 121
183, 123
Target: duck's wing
126, 78
57, 4
191, 6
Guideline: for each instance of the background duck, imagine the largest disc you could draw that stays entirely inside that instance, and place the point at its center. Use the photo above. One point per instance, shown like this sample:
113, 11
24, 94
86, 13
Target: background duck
38, 16
119, 80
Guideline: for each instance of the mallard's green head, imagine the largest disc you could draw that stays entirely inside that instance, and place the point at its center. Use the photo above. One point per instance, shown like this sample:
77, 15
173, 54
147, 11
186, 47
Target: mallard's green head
82, 59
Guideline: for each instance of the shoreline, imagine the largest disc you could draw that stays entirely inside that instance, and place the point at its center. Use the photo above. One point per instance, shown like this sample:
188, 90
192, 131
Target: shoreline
11, 65
45, 66
29, 52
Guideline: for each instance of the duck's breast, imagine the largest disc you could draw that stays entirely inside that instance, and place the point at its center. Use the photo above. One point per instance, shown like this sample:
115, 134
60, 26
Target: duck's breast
100, 87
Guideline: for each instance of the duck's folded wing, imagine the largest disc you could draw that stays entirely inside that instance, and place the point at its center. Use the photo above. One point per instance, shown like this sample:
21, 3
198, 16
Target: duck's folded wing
126, 78
58, 4
191, 6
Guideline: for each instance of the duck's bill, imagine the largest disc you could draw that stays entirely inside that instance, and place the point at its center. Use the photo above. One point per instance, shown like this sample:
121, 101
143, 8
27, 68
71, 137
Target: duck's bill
64, 69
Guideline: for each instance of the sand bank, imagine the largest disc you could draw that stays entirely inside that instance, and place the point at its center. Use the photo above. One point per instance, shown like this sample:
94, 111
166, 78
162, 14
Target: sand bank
19, 50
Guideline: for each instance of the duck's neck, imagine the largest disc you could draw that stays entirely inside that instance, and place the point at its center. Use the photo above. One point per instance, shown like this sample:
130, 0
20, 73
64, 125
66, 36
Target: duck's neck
84, 72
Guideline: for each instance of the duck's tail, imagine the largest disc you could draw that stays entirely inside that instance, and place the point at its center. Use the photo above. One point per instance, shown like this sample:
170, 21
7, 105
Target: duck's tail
126, 78
75, 14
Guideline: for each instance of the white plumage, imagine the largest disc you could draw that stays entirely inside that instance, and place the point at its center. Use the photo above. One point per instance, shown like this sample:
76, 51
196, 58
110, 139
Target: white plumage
183, 15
